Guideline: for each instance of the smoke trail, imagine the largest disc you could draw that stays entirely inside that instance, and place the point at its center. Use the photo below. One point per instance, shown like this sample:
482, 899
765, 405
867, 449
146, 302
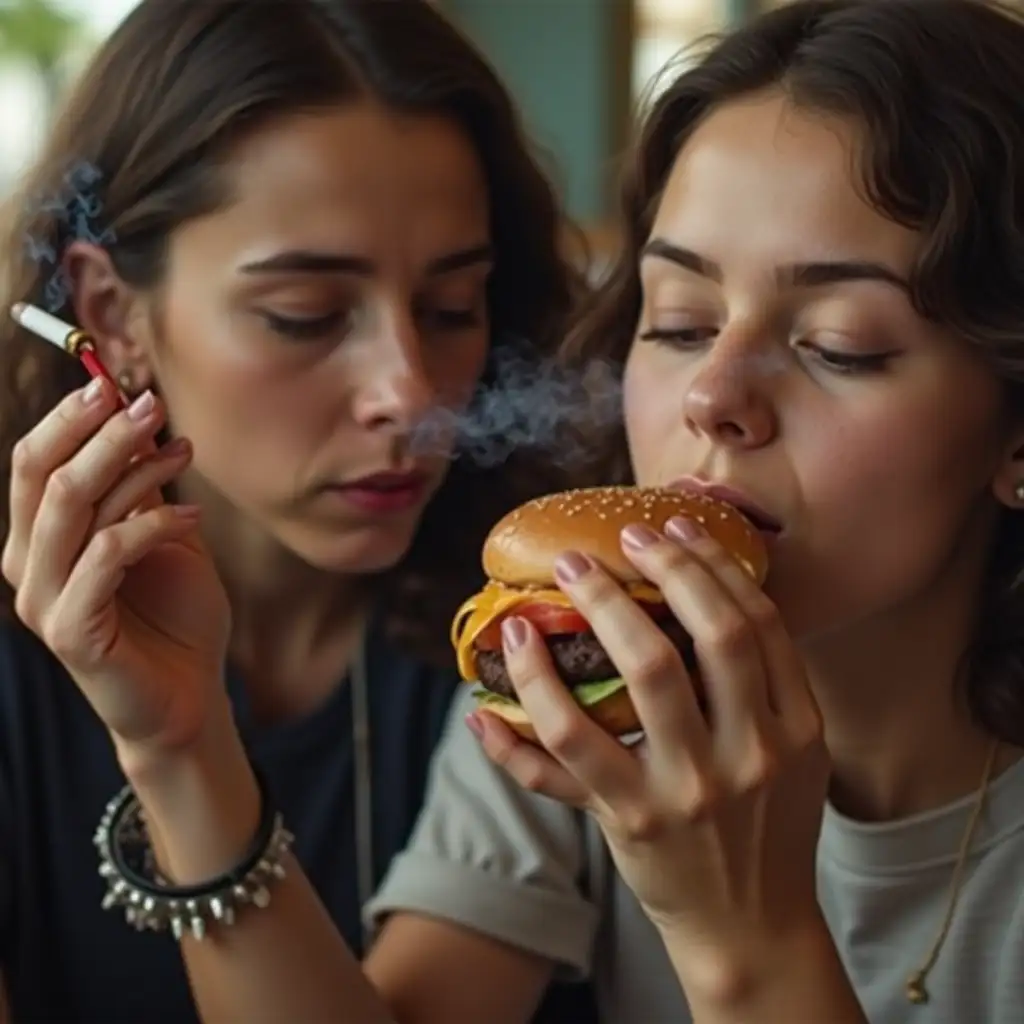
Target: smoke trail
531, 404
73, 213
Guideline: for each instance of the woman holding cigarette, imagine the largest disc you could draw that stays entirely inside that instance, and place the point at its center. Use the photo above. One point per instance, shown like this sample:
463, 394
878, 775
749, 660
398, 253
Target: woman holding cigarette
287, 232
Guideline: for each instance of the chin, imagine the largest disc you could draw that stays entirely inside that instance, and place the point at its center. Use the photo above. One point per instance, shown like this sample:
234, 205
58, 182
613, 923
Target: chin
352, 553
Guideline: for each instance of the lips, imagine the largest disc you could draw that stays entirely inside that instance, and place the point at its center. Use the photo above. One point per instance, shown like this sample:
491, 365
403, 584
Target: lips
759, 517
386, 482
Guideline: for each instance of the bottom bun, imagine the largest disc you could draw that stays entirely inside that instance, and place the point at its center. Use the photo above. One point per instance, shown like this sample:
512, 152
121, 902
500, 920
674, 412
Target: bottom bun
615, 714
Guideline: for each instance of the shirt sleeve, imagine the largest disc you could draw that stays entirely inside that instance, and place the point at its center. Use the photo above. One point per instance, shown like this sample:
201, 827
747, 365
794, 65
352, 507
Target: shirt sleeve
489, 856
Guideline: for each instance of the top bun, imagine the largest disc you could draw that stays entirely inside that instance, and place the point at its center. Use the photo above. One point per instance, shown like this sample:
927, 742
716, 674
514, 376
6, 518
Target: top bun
522, 548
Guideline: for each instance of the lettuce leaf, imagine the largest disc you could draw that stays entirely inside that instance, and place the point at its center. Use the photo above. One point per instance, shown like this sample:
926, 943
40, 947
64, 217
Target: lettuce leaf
586, 694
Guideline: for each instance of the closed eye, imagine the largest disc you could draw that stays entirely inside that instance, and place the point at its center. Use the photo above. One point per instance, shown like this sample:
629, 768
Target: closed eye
679, 336
304, 328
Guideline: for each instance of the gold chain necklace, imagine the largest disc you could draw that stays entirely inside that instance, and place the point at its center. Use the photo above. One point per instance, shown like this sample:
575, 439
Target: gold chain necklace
917, 990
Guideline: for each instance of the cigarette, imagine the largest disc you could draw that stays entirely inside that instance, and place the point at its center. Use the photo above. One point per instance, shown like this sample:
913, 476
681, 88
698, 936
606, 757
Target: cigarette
72, 340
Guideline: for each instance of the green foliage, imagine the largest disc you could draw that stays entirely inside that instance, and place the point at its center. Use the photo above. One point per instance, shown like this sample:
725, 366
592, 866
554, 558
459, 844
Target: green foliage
37, 31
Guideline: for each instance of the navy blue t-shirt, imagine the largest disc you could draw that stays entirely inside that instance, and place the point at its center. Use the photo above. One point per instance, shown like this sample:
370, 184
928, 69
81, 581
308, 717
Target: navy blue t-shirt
67, 960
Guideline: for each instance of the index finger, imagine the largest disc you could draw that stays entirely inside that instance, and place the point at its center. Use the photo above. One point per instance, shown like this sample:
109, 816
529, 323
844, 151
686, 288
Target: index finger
54, 440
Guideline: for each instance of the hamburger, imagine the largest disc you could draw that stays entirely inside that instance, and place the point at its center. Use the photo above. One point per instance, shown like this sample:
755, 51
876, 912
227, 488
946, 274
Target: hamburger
519, 558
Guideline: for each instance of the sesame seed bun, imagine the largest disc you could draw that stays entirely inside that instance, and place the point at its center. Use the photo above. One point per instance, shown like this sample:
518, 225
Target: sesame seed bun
522, 548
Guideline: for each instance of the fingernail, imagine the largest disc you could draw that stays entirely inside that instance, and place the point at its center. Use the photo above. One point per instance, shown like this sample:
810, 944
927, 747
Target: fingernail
638, 536
142, 406
572, 566
684, 529
94, 392
513, 634
475, 725
176, 448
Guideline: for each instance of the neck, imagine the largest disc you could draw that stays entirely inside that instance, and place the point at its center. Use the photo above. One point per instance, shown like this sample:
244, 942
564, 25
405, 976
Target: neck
295, 629
900, 735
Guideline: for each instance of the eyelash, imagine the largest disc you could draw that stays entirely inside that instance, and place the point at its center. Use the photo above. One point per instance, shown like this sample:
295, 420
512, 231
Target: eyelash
837, 362
302, 329
313, 328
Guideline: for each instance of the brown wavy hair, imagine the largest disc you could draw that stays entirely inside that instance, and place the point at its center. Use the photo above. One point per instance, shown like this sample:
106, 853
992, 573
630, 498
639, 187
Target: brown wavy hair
157, 113
938, 86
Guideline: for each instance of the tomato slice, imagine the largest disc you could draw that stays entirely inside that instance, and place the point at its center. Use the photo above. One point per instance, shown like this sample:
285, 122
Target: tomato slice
549, 619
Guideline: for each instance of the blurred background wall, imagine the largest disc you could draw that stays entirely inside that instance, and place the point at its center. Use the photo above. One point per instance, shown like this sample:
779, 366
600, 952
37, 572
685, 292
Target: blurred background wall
577, 68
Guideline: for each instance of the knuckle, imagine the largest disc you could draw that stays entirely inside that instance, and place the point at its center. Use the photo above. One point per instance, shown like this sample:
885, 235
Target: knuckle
529, 774
765, 615
641, 823
10, 564
807, 730
732, 634
106, 547
24, 608
700, 798
757, 769
564, 738
58, 636
660, 663
63, 487
23, 458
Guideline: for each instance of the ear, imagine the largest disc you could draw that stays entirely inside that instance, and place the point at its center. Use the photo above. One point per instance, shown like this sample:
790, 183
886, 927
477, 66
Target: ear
1008, 484
112, 313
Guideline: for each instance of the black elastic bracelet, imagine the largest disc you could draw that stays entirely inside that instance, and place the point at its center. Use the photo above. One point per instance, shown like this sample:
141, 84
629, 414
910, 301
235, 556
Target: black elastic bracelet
253, 855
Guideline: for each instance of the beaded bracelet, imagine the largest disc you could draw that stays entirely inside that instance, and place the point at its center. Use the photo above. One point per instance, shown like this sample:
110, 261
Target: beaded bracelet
127, 865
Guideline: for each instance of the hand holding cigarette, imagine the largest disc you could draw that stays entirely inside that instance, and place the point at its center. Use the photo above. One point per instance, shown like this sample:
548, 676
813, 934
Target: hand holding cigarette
125, 596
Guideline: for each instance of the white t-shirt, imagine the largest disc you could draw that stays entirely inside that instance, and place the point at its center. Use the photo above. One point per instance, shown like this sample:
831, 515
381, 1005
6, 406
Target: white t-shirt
534, 874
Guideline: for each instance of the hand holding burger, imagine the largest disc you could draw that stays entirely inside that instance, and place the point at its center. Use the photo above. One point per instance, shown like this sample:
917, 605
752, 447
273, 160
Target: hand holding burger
519, 558
622, 608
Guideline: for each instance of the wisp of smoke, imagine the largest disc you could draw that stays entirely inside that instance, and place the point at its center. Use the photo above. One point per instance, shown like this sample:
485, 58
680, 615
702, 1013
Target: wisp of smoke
73, 213
531, 403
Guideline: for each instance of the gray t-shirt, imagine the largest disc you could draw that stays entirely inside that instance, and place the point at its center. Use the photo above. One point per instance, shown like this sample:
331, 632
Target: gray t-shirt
525, 870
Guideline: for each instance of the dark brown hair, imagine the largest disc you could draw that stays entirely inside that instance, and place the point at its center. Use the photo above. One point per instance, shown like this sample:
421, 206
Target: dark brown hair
938, 86
157, 114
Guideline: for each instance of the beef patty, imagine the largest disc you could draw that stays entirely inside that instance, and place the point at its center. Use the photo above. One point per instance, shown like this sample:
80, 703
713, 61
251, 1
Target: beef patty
578, 657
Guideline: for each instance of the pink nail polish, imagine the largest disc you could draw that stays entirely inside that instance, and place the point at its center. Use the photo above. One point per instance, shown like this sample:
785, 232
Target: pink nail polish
513, 634
638, 536
684, 529
572, 566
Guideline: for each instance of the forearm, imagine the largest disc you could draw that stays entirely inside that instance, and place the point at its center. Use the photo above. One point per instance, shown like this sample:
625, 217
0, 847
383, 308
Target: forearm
799, 978
283, 963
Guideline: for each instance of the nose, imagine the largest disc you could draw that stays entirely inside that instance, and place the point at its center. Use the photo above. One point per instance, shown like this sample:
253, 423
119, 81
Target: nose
729, 399
396, 389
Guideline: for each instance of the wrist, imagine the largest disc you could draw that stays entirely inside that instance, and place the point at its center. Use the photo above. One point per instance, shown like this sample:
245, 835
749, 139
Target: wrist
202, 802
744, 979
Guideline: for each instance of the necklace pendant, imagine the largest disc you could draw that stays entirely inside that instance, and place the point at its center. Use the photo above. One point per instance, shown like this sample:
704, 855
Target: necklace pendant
916, 992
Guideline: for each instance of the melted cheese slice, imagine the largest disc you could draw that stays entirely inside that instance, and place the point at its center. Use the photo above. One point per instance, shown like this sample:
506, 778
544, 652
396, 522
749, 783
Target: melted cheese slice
496, 601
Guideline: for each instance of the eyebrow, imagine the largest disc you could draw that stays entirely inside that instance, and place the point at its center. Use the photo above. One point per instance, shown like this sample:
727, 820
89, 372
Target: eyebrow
804, 275
303, 261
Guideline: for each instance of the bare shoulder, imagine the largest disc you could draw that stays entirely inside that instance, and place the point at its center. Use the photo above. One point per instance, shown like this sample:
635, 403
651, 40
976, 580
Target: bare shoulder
435, 972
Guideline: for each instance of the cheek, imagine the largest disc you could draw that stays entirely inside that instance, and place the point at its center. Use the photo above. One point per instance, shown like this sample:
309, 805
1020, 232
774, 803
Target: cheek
885, 503
257, 424
652, 412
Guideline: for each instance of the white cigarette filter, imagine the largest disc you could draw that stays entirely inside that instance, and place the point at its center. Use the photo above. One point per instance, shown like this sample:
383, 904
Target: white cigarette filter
47, 326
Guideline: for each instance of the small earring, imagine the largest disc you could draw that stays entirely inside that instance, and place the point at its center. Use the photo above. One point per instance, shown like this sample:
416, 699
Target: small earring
125, 382
1018, 492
